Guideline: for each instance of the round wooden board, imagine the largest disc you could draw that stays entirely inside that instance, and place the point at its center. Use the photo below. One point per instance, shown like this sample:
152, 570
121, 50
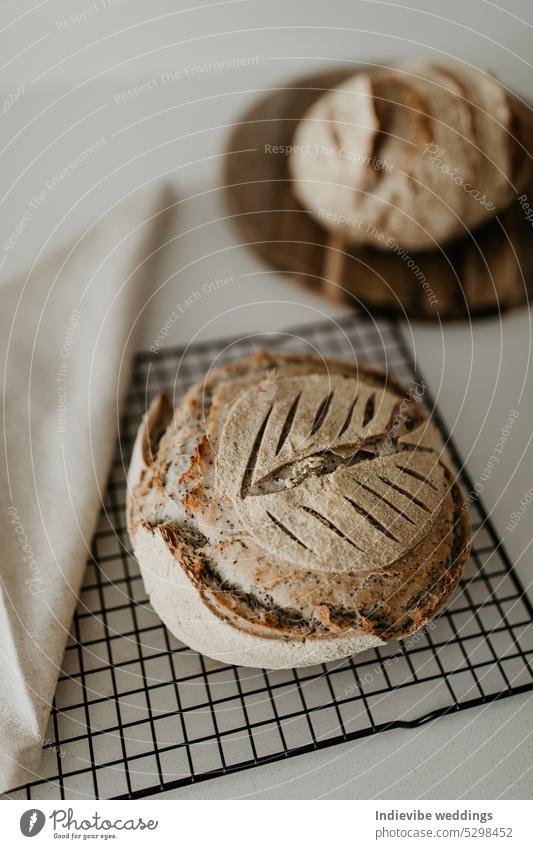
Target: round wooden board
488, 271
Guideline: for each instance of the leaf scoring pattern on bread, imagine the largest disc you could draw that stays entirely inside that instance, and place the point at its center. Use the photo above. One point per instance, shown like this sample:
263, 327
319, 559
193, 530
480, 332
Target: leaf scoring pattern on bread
318, 479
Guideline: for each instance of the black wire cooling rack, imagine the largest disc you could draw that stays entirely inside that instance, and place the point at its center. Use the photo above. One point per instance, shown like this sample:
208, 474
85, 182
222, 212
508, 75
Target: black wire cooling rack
136, 712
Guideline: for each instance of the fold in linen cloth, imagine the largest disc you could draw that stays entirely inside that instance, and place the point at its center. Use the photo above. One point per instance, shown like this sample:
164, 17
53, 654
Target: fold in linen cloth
66, 330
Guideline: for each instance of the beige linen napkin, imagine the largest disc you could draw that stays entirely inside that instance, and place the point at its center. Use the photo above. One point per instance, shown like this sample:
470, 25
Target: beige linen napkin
65, 332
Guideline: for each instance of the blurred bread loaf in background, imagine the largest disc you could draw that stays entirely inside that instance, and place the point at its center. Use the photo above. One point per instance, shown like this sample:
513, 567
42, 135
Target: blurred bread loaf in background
415, 155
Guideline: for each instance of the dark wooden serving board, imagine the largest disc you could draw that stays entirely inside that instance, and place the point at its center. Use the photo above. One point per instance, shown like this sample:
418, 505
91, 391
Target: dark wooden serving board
488, 271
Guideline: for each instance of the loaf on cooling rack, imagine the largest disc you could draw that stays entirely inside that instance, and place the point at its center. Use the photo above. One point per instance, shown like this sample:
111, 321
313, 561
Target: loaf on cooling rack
291, 510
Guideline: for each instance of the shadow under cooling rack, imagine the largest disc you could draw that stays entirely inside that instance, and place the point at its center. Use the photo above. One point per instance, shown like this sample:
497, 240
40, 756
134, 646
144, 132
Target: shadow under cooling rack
136, 712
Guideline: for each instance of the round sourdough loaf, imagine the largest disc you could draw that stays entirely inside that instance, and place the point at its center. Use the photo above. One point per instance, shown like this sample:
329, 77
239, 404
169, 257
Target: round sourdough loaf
292, 510
411, 156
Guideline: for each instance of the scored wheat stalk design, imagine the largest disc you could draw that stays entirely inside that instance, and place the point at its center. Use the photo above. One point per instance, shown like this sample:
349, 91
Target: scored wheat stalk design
320, 477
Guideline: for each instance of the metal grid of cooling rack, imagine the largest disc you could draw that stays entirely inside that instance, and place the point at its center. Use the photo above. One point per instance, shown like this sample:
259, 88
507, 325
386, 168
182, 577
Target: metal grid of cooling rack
136, 712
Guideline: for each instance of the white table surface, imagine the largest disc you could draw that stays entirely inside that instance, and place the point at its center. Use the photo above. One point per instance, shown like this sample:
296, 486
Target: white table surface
74, 79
